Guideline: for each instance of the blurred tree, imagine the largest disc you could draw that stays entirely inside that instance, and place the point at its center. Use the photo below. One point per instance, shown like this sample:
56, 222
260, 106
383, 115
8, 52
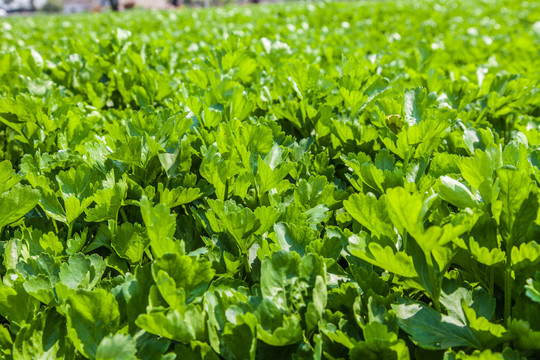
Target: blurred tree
52, 6
31, 3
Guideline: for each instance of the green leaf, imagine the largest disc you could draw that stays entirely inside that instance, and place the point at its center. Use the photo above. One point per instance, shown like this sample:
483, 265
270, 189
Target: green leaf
526, 256
39, 286
488, 333
275, 328
43, 338
192, 275
26, 304
479, 171
117, 347
295, 238
268, 177
525, 337
515, 187
223, 306
453, 297
160, 227
371, 213
152, 347
178, 161
415, 102
179, 196
477, 139
277, 274
175, 297
108, 203
406, 210
267, 216
51, 244
312, 285
330, 246
82, 271
196, 350
259, 139
456, 193
91, 316
241, 105
379, 344
507, 354
130, 242
215, 170
240, 341
80, 182
16, 202
74, 207
135, 292
173, 325
239, 221
376, 179
396, 262
533, 287
6, 343
8, 177
50, 204
130, 152
431, 330
313, 192
76, 243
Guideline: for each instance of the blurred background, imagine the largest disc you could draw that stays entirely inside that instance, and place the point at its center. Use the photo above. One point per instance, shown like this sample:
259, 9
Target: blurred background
76, 6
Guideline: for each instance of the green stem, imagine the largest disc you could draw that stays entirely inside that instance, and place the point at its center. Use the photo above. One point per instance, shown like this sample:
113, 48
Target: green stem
114, 224
246, 265
507, 295
69, 232
491, 280
257, 195
405, 239
406, 162
149, 254
123, 214
508, 284
226, 196
55, 226
435, 293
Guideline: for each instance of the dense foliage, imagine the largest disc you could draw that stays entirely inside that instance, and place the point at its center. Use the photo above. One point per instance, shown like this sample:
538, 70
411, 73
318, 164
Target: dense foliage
309, 181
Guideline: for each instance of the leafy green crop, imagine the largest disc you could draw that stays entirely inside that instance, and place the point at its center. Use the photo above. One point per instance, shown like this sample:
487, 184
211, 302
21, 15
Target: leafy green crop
322, 180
